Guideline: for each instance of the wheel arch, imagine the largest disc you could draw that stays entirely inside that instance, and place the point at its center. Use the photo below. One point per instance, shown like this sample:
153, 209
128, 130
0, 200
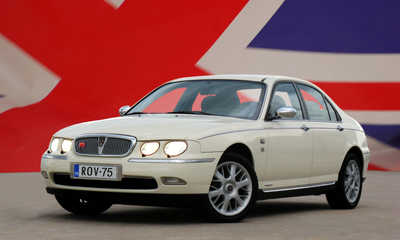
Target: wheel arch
357, 151
243, 150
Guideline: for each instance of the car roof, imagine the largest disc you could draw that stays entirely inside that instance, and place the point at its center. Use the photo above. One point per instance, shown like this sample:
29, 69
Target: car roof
269, 79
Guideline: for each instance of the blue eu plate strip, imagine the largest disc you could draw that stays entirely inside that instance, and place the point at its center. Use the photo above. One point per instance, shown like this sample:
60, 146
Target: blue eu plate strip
76, 170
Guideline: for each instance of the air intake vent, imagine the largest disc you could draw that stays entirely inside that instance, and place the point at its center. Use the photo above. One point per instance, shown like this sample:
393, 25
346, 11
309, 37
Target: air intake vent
125, 183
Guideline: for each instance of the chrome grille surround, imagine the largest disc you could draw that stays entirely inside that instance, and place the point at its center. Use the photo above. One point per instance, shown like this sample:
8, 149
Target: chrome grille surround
104, 145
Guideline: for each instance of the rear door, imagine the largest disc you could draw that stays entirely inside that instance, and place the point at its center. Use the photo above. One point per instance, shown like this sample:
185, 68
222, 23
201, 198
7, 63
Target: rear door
329, 136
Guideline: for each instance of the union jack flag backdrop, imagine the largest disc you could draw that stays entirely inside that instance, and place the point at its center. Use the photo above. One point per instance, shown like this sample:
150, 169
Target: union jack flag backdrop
64, 62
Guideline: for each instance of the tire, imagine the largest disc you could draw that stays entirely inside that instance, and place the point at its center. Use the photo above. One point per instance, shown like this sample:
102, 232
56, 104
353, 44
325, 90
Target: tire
82, 206
348, 192
233, 190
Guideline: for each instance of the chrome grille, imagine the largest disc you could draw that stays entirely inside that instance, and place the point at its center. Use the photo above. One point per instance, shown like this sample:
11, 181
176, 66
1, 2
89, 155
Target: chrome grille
104, 145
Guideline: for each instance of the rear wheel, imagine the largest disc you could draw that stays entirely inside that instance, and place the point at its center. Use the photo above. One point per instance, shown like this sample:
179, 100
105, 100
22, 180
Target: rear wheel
348, 192
82, 206
233, 190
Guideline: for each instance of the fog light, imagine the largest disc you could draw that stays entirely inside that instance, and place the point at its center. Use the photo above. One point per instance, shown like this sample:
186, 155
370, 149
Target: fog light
44, 174
172, 181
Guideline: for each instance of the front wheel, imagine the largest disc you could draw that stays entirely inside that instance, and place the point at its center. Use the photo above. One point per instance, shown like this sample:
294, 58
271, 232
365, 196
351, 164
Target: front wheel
233, 190
82, 206
348, 192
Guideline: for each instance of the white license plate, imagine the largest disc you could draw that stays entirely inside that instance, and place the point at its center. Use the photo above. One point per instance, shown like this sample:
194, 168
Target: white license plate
98, 172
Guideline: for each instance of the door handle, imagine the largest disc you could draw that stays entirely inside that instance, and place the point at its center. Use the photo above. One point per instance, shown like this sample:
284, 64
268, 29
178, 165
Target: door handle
340, 128
305, 127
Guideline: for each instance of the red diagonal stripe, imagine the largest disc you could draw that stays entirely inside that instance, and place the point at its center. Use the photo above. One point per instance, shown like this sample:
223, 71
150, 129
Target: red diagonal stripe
363, 96
106, 58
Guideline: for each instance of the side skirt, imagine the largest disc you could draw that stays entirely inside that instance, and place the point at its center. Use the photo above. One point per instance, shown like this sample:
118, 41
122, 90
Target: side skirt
315, 189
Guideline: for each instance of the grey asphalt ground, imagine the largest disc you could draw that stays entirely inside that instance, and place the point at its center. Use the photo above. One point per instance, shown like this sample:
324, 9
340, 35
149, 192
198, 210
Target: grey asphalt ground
28, 212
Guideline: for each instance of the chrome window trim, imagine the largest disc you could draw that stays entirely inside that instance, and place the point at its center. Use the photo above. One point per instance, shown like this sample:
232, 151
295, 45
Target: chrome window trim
325, 121
55, 157
298, 187
106, 135
306, 120
289, 120
222, 133
145, 160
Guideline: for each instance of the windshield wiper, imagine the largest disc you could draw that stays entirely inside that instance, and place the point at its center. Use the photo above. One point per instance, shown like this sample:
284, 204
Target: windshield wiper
135, 113
191, 112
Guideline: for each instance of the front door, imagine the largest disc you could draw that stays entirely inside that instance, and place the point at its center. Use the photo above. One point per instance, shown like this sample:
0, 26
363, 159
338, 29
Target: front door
290, 142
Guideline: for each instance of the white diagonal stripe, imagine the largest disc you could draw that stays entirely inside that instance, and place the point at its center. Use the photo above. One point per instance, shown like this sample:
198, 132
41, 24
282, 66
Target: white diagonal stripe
375, 117
230, 54
383, 155
23, 79
115, 3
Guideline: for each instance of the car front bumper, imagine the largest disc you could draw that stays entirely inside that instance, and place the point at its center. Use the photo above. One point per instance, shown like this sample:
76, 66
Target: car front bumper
144, 199
139, 175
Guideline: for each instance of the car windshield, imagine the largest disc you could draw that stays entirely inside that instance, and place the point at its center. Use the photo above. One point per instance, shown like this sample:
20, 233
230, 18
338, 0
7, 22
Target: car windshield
233, 98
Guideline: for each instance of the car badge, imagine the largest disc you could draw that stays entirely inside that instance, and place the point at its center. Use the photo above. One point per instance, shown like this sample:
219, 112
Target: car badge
82, 145
101, 141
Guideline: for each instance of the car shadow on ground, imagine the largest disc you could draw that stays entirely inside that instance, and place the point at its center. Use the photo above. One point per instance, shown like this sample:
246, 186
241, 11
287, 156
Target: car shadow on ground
270, 208
140, 215
178, 216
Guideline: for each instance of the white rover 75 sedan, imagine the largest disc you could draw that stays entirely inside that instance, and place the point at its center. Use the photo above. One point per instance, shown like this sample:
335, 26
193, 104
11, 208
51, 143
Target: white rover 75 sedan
216, 143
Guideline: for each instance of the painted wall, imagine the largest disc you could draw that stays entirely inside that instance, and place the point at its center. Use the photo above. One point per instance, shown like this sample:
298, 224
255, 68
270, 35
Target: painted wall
64, 62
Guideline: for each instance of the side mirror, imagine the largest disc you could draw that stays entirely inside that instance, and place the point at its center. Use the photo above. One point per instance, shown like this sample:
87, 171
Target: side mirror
124, 109
286, 112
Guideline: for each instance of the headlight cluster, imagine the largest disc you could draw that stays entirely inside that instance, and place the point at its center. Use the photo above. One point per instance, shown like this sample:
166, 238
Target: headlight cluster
172, 149
149, 148
60, 144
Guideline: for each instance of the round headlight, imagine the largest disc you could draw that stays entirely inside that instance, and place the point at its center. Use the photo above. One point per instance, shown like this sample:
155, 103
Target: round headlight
66, 145
175, 148
149, 148
54, 144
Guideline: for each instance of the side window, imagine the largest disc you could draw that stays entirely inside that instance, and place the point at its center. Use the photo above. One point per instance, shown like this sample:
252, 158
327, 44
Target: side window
332, 112
315, 103
285, 95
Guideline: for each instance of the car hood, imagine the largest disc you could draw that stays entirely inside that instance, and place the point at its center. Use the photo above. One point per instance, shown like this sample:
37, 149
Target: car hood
154, 126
